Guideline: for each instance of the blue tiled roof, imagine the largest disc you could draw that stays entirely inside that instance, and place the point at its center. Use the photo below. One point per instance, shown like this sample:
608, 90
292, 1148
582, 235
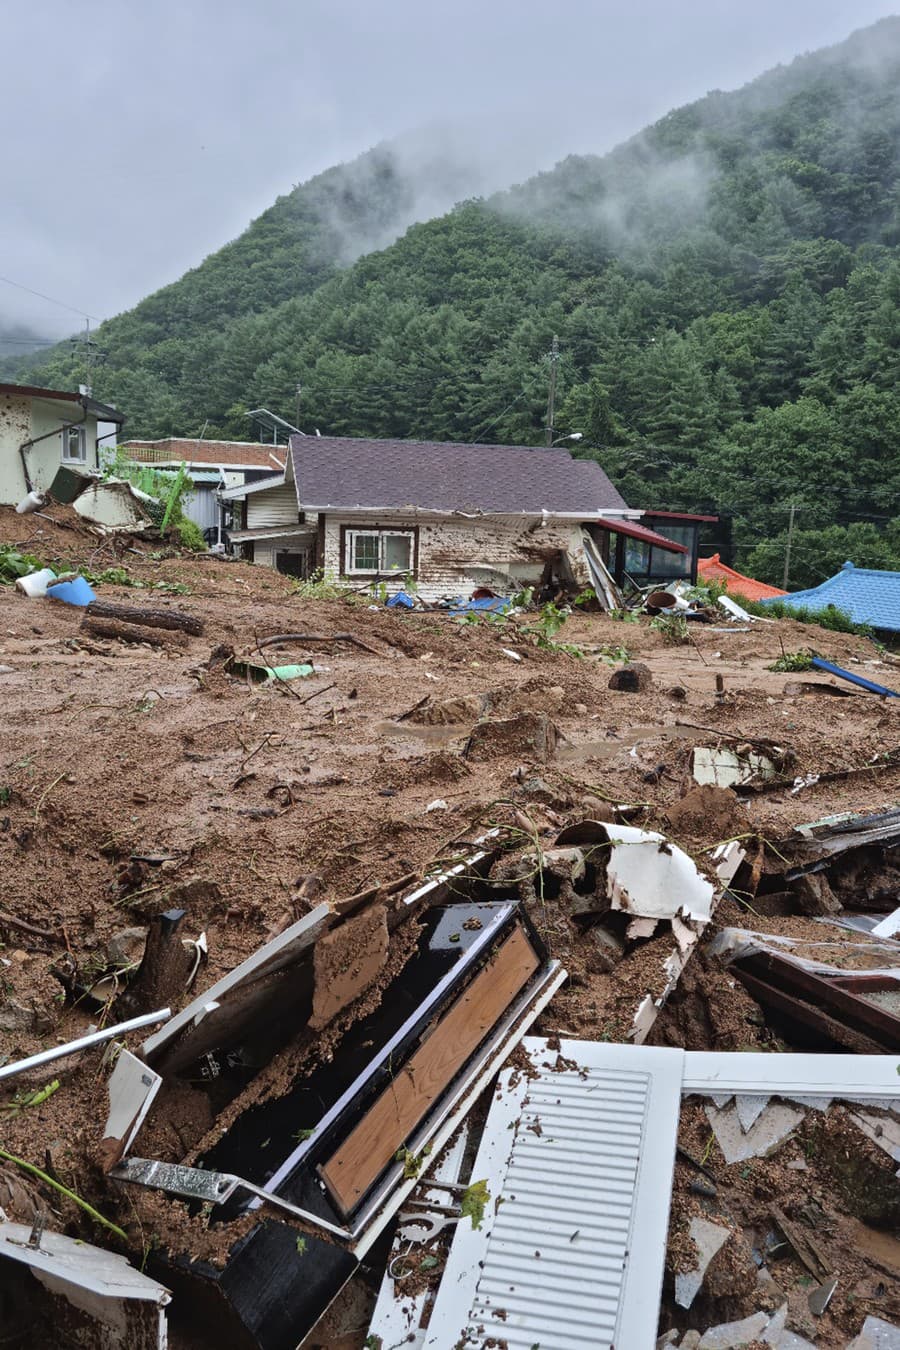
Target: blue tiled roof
867, 595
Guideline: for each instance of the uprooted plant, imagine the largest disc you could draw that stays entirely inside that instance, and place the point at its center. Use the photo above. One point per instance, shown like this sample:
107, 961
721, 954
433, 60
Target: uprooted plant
673, 629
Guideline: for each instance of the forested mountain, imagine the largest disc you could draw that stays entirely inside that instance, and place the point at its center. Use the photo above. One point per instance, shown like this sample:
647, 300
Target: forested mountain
725, 287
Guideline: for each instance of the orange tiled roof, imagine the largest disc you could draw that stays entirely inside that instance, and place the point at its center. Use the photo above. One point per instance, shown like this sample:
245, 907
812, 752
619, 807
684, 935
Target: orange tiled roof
173, 450
713, 569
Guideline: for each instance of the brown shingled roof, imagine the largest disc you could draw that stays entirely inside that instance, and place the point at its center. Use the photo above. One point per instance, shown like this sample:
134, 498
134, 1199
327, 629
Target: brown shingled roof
344, 474
249, 454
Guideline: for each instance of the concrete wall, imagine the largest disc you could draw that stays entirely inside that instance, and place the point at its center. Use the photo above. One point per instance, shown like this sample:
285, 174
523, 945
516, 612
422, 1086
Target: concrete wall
15, 427
449, 547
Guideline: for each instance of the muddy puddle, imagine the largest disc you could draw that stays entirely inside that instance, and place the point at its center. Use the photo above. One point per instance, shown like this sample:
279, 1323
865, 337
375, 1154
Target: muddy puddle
425, 733
567, 751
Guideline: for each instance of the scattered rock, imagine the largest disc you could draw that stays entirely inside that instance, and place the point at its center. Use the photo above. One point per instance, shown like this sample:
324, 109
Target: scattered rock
864, 1176
814, 895
16, 1017
632, 678
126, 946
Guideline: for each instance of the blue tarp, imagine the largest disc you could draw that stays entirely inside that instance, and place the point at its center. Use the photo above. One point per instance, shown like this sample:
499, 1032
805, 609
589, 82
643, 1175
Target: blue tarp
494, 604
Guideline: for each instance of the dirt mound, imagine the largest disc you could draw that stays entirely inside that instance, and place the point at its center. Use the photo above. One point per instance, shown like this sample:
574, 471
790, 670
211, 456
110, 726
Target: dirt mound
707, 813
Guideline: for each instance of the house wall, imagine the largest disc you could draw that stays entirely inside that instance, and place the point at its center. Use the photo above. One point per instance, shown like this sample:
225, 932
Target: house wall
265, 551
273, 506
15, 427
449, 548
45, 457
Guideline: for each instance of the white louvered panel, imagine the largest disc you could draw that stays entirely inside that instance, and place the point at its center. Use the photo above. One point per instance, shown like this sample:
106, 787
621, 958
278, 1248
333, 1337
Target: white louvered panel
572, 1256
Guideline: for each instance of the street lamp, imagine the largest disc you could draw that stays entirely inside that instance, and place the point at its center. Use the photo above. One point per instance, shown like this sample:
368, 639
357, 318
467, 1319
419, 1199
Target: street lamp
572, 436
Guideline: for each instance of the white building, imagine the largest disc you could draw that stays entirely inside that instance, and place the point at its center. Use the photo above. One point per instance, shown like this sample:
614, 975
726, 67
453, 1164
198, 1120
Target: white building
42, 430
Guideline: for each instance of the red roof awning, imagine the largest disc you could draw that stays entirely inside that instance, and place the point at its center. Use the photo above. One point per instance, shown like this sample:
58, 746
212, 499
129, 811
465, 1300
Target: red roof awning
635, 531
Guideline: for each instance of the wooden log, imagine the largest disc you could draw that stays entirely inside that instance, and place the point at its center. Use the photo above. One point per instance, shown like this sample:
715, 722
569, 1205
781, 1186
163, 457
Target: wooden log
150, 618
132, 632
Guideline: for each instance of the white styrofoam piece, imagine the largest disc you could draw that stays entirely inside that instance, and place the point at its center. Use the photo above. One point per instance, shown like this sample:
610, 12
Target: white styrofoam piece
889, 926
849, 1077
582, 1159
708, 1238
769, 1131
132, 1087
652, 882
749, 1108
730, 1335
727, 858
876, 1334
882, 1130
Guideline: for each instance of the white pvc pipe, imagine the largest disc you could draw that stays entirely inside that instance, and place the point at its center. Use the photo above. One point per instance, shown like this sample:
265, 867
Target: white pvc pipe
83, 1043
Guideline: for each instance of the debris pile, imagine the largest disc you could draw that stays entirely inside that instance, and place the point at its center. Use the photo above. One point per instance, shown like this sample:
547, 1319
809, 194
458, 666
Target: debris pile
365, 987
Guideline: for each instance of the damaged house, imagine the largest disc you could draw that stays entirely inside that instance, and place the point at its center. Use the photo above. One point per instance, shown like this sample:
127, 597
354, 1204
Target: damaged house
444, 518
45, 430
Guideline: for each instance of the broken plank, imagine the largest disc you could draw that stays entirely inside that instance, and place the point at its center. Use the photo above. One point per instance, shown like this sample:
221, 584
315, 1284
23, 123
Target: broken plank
150, 618
805, 1013
351, 1171
856, 1012
804, 1248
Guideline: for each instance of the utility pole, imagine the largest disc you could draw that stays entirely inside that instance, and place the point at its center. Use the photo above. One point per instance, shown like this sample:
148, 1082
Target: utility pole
297, 418
787, 551
89, 354
551, 397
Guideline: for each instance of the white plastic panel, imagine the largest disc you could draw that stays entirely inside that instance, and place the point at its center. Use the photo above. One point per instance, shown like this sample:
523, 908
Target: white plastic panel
578, 1163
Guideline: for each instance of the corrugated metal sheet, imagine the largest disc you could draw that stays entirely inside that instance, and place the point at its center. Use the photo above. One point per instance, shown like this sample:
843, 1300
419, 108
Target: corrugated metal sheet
581, 1158
274, 506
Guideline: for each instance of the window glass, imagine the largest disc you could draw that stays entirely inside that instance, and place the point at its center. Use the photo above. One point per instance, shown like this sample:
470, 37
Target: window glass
365, 553
396, 553
73, 443
636, 555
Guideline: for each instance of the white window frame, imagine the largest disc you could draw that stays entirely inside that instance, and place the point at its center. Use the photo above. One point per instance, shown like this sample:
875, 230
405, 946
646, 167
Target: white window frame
381, 569
81, 436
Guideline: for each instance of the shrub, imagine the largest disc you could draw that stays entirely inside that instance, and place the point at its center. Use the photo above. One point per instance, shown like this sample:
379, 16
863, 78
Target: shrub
832, 618
190, 534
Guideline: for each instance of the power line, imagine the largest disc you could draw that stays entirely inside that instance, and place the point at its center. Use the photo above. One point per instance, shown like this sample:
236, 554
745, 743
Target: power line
40, 295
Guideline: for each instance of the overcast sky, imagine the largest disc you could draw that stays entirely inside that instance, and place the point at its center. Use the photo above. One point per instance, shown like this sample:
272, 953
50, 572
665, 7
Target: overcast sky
137, 138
